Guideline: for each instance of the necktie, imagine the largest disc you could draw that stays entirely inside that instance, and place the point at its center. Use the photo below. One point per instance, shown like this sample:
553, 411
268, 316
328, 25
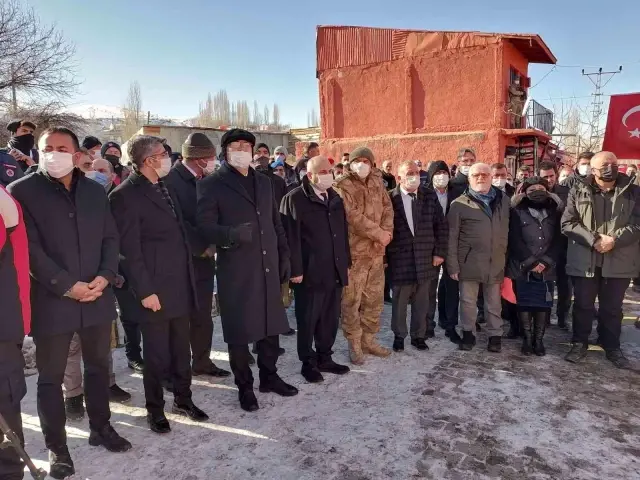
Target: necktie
413, 211
324, 197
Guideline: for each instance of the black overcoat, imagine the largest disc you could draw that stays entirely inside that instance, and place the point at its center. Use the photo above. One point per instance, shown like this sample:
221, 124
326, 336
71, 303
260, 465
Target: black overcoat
154, 251
183, 184
248, 275
317, 235
72, 237
410, 257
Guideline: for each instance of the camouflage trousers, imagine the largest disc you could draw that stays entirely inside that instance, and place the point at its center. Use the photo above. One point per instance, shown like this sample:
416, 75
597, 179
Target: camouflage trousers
362, 299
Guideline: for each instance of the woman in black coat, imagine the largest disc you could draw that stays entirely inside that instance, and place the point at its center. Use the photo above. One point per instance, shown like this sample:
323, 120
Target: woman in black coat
534, 248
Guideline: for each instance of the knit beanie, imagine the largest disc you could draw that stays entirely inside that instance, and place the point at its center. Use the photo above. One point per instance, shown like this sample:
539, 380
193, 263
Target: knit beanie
531, 181
198, 145
107, 146
436, 166
91, 142
263, 145
235, 135
362, 152
279, 150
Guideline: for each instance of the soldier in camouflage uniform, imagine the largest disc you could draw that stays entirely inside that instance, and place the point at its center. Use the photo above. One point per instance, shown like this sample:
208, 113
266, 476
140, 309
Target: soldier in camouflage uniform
370, 219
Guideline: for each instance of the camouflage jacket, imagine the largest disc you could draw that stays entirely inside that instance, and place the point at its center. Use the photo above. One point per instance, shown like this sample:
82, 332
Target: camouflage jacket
369, 212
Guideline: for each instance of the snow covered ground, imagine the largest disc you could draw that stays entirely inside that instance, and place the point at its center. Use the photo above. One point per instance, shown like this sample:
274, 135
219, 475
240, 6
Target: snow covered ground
442, 414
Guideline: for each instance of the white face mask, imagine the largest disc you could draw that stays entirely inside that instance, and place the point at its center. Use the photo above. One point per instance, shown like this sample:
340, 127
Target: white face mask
499, 182
441, 180
412, 182
240, 159
210, 168
164, 168
324, 181
583, 170
56, 164
464, 169
362, 169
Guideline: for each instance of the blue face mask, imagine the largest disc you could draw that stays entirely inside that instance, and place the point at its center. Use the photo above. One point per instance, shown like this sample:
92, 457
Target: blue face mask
99, 177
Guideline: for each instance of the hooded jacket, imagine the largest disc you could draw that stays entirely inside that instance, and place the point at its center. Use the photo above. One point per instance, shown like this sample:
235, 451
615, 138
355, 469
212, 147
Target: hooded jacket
580, 225
369, 212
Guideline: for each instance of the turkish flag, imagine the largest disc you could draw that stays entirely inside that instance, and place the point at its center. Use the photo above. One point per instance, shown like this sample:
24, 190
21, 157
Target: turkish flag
622, 135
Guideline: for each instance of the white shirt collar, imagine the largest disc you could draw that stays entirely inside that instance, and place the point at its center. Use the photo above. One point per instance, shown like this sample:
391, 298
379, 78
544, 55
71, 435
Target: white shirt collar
319, 192
405, 192
184, 162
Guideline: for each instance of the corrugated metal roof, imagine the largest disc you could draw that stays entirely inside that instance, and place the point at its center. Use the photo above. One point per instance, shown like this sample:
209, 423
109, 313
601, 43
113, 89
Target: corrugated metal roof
345, 46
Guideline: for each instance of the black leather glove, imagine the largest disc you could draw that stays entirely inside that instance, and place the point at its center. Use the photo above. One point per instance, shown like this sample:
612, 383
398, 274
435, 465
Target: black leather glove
241, 234
285, 271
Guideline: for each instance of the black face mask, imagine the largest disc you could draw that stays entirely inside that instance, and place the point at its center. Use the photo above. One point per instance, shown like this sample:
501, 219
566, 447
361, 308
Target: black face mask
113, 159
23, 143
538, 196
609, 173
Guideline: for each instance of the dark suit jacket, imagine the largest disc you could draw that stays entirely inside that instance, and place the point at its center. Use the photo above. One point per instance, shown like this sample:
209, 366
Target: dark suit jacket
154, 250
72, 237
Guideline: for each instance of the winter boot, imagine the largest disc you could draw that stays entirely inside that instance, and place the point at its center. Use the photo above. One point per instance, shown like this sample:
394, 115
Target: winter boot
60, 463
467, 341
74, 407
355, 352
371, 346
577, 353
495, 344
540, 322
525, 326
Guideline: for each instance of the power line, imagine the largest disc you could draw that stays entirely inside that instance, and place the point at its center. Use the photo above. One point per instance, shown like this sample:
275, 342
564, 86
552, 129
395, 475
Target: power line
597, 103
545, 76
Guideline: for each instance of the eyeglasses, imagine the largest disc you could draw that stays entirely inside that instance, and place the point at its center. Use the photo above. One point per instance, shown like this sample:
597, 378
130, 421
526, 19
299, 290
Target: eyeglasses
480, 175
240, 147
162, 156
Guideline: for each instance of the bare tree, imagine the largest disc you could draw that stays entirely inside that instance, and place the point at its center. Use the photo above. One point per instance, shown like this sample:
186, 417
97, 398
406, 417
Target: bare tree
276, 116
35, 59
206, 116
257, 117
221, 108
132, 113
312, 118
267, 116
243, 113
572, 127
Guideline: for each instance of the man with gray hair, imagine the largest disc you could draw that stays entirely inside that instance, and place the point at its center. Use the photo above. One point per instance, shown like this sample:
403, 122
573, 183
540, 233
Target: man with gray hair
459, 183
156, 259
478, 234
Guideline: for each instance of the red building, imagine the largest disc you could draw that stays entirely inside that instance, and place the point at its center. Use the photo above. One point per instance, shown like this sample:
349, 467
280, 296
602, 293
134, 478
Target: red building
423, 95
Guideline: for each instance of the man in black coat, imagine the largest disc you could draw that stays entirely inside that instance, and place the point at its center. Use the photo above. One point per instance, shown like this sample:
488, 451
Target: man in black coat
316, 224
22, 142
156, 260
73, 250
582, 170
237, 211
198, 161
14, 298
418, 248
388, 178
499, 179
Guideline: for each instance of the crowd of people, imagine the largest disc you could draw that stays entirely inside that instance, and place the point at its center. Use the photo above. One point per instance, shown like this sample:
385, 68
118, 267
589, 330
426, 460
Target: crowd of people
86, 240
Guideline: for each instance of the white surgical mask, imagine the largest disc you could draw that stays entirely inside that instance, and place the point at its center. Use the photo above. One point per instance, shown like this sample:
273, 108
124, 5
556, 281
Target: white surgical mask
164, 168
441, 180
499, 183
412, 182
324, 181
362, 169
464, 169
56, 164
240, 159
210, 168
583, 170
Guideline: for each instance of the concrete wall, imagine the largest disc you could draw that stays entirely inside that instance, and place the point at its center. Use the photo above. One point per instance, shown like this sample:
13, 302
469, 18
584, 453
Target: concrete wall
177, 135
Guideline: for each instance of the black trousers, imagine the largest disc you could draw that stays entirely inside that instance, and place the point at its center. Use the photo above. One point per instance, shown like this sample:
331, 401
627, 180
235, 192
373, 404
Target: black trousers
480, 305
166, 355
565, 292
130, 313
13, 388
387, 283
432, 296
267, 358
317, 316
201, 326
448, 301
610, 293
51, 358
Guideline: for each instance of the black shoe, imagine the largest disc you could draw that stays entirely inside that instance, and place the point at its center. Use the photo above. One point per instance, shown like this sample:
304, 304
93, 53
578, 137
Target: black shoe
468, 340
398, 344
118, 395
311, 373
329, 366
277, 385
419, 343
431, 333
453, 336
191, 411
74, 408
109, 439
60, 464
136, 365
290, 333
212, 371
281, 351
495, 344
577, 353
562, 324
540, 322
158, 423
618, 359
252, 361
248, 400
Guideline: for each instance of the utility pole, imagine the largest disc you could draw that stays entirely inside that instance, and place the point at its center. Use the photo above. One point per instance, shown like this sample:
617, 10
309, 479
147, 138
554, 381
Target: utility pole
595, 134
